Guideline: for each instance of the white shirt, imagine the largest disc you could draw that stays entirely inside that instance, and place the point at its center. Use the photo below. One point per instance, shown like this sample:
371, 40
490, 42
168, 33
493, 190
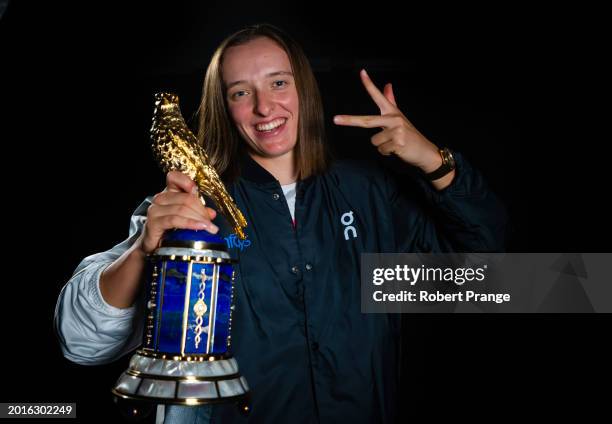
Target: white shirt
289, 192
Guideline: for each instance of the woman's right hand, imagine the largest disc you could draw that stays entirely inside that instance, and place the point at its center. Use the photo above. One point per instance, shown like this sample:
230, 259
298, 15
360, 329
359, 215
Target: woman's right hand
178, 206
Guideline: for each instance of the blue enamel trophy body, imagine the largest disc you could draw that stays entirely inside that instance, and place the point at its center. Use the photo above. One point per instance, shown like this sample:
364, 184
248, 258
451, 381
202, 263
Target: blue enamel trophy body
185, 356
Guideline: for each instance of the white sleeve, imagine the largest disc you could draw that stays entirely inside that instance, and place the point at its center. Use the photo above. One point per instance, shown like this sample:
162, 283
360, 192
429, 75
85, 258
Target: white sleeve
90, 331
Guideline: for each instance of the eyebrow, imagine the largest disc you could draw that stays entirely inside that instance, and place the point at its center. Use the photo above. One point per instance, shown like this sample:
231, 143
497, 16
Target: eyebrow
271, 74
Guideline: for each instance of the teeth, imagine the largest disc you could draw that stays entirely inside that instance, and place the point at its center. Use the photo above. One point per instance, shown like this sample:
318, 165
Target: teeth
271, 125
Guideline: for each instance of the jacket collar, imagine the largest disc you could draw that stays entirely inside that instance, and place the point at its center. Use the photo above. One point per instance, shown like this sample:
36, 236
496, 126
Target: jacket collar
253, 172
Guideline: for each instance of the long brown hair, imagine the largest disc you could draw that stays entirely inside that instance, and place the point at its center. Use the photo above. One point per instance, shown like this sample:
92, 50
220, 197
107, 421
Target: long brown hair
217, 132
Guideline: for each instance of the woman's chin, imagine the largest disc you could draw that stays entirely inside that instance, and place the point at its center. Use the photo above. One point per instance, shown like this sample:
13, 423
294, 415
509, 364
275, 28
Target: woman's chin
273, 150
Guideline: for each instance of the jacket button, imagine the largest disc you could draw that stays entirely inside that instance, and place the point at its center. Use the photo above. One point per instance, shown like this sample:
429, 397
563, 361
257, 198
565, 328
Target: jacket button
276, 196
295, 269
315, 346
308, 267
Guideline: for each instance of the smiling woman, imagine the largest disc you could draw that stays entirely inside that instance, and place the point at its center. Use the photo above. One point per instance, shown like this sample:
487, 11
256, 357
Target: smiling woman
263, 103
304, 346
261, 77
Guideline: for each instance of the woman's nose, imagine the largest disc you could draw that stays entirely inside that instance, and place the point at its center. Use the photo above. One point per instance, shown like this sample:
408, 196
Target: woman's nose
263, 104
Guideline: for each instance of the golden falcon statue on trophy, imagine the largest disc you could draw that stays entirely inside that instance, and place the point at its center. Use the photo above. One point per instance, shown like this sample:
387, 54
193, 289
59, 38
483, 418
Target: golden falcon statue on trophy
177, 149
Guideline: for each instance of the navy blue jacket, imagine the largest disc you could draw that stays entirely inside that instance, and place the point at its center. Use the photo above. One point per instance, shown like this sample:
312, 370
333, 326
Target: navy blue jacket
306, 350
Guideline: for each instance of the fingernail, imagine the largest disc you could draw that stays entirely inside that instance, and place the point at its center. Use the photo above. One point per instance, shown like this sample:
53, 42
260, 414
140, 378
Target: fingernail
211, 228
337, 119
364, 72
195, 190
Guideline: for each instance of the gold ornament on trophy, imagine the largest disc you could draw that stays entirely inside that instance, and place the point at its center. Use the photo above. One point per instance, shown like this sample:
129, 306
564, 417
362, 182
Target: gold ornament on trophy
177, 149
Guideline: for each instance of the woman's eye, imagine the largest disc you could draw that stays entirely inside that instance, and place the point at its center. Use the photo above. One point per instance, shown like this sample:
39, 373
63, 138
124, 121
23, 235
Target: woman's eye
280, 83
238, 94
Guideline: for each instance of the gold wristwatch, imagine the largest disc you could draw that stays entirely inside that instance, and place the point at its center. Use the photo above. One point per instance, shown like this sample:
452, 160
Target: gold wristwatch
448, 164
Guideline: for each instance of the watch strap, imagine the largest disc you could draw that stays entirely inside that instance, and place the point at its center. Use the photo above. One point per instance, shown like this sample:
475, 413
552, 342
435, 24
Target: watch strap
448, 164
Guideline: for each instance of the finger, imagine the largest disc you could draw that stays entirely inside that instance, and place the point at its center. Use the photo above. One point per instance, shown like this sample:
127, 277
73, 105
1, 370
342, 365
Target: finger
157, 211
387, 148
166, 198
364, 121
388, 92
379, 98
211, 212
162, 218
168, 222
177, 181
381, 138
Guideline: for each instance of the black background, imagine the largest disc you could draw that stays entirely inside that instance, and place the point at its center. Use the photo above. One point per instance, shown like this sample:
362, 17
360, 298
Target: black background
517, 90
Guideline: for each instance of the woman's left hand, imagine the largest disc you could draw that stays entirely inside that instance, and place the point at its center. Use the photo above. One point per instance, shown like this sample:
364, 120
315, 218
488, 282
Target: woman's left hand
398, 135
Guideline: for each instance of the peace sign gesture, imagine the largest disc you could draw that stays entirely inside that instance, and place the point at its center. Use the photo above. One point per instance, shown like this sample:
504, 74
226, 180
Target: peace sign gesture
398, 135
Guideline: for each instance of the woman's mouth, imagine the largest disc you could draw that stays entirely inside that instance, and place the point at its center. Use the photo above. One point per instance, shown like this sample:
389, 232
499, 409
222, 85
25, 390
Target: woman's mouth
271, 128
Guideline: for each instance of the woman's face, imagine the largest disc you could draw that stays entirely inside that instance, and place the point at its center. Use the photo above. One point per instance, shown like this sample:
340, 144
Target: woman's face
261, 96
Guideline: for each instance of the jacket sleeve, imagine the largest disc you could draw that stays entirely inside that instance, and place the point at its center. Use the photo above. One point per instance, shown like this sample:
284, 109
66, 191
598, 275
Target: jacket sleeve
466, 216
90, 331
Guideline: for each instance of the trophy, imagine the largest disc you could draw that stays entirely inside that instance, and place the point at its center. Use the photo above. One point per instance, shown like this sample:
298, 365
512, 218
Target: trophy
184, 358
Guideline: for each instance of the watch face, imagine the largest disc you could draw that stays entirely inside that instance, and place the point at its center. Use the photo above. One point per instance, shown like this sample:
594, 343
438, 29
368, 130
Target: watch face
448, 161
451, 159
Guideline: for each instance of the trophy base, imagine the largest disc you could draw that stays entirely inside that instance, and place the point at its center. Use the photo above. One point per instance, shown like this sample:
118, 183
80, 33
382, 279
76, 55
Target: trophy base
182, 382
